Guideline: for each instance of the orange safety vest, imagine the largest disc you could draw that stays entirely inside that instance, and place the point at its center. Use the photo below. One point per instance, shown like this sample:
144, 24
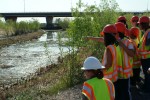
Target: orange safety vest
144, 50
112, 72
126, 70
136, 58
98, 89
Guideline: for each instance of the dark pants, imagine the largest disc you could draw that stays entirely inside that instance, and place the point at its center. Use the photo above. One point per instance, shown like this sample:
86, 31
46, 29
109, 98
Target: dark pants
145, 65
136, 76
122, 89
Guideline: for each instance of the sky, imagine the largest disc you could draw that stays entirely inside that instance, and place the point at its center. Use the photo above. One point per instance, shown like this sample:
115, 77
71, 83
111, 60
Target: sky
65, 5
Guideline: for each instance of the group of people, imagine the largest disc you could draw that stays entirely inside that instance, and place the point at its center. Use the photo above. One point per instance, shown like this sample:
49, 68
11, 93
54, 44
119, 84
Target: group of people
127, 52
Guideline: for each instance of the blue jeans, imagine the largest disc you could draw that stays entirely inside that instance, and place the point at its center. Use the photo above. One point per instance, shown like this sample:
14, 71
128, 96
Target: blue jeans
145, 65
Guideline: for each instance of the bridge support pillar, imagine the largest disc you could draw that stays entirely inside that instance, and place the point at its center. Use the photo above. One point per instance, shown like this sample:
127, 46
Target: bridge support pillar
49, 20
11, 18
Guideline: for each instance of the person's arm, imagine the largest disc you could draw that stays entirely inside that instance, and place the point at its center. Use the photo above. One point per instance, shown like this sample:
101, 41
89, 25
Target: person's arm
84, 97
109, 59
98, 39
130, 52
148, 39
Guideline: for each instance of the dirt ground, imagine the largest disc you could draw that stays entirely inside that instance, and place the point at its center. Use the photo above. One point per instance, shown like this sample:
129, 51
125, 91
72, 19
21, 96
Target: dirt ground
74, 93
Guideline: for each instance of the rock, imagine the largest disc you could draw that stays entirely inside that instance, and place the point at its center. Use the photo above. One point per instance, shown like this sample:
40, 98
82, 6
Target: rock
6, 66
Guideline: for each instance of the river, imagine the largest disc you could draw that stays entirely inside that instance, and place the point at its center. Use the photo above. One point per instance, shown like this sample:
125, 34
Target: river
21, 60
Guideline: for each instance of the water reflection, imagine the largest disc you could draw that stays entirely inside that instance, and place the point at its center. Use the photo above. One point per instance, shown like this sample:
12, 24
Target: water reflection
49, 36
43, 37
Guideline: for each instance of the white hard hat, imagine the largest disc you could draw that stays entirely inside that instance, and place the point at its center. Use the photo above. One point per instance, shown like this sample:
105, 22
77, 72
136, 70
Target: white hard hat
92, 63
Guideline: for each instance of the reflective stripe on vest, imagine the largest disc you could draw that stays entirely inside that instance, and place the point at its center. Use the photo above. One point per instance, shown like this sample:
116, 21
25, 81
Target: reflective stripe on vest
98, 89
143, 49
111, 88
136, 58
112, 72
127, 61
88, 91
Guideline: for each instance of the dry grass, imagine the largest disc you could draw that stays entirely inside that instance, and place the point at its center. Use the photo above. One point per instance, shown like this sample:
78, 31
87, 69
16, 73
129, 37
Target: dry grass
20, 38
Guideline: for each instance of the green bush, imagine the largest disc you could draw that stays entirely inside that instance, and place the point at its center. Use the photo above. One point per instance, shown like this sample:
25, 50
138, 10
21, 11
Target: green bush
88, 23
64, 23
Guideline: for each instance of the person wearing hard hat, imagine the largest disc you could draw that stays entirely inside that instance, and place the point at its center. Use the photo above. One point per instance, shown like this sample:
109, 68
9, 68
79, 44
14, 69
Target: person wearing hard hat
110, 57
134, 21
96, 87
144, 51
123, 20
124, 70
135, 79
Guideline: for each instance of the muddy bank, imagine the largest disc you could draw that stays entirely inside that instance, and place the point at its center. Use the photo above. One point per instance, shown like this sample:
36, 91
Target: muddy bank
6, 41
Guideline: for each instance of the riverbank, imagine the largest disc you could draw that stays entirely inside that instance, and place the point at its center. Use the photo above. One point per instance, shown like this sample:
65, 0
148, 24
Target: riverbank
20, 38
46, 83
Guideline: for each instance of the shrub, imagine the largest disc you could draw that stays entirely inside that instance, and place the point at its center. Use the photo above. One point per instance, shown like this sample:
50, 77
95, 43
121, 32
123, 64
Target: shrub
88, 23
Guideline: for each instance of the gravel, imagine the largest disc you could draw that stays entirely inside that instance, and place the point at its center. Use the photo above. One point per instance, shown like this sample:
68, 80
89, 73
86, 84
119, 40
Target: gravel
73, 93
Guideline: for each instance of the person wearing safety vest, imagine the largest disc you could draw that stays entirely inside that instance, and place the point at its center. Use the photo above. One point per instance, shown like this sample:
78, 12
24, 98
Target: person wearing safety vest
144, 51
135, 79
134, 22
110, 55
125, 70
96, 87
109, 58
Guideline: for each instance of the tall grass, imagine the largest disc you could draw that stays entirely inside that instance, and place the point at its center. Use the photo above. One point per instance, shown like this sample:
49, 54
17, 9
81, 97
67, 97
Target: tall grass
16, 28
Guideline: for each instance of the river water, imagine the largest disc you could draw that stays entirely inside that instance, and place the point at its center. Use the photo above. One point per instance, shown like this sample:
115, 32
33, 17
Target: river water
21, 60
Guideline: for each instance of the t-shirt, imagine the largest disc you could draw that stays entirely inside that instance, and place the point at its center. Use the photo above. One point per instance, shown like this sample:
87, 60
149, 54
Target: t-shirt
130, 46
148, 39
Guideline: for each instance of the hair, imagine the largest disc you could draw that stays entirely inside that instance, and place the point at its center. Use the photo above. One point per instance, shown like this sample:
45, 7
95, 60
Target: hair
121, 35
145, 25
109, 39
124, 22
97, 73
137, 24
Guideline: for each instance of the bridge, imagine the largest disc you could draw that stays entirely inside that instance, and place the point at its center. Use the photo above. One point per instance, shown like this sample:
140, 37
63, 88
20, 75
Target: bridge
49, 15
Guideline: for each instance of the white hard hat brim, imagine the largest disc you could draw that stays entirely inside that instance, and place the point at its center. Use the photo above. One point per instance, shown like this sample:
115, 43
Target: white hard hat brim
101, 67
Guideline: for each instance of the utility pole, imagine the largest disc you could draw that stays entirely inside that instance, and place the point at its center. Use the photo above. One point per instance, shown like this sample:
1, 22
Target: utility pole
147, 4
24, 5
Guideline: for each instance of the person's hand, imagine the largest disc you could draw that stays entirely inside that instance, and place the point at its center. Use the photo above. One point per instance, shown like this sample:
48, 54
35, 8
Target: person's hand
87, 38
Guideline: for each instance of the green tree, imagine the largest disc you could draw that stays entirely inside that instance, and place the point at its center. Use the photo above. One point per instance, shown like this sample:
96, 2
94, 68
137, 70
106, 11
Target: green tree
89, 20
